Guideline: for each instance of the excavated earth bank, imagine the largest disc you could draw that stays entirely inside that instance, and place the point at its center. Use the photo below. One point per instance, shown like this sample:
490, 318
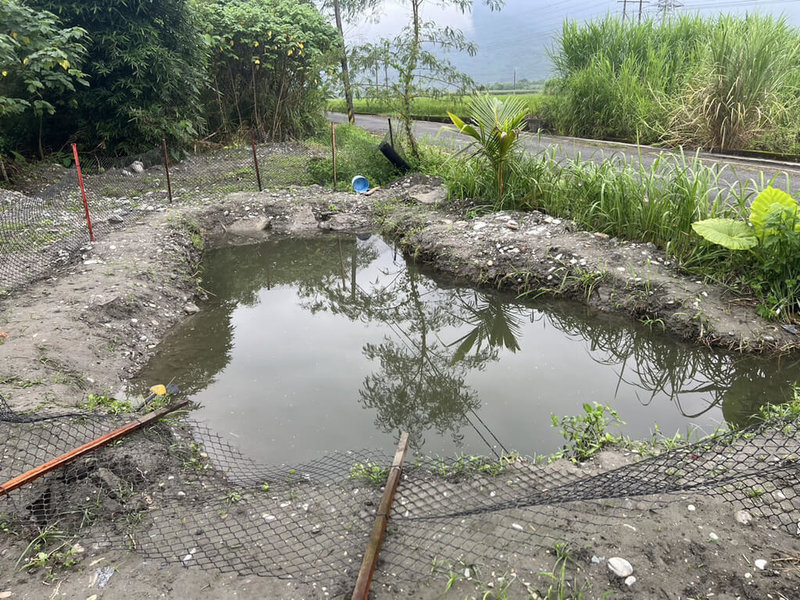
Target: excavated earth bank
90, 327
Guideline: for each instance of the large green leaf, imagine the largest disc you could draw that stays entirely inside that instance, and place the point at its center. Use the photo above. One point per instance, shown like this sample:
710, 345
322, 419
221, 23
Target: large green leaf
731, 234
763, 205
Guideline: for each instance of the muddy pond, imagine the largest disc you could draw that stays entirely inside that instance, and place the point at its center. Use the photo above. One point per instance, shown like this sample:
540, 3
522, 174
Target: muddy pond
311, 345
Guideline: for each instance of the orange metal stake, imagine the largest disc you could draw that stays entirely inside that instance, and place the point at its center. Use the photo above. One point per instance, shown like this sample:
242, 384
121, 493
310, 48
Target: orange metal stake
62, 460
83, 192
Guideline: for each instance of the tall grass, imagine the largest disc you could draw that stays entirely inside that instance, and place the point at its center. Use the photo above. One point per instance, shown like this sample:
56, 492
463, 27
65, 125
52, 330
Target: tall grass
655, 203
735, 92
717, 82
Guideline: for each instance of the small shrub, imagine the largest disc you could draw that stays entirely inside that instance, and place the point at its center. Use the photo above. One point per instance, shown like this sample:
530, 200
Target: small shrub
495, 130
369, 472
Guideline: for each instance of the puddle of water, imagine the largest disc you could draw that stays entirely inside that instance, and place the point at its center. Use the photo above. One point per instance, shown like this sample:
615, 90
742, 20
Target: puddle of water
334, 343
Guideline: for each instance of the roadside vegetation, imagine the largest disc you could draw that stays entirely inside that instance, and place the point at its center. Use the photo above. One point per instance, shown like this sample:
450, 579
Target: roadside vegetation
725, 83
430, 108
661, 203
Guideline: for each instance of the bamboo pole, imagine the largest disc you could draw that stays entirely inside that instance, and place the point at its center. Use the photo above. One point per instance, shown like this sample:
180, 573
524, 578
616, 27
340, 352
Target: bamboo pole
68, 457
333, 140
365, 574
166, 168
255, 159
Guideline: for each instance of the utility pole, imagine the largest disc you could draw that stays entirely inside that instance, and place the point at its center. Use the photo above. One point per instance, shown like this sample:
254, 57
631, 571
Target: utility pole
640, 11
667, 6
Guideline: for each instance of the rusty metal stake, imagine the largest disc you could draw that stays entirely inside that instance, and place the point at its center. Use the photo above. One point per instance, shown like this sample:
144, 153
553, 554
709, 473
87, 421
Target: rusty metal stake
364, 580
83, 192
68, 457
333, 138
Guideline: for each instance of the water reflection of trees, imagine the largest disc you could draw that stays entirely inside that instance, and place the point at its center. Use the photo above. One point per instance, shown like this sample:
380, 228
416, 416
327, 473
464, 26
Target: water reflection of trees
682, 373
420, 382
437, 336
201, 346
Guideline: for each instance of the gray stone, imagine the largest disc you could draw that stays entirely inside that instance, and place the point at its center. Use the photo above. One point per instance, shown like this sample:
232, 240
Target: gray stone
191, 309
743, 517
104, 576
433, 197
620, 567
115, 219
760, 564
137, 166
629, 581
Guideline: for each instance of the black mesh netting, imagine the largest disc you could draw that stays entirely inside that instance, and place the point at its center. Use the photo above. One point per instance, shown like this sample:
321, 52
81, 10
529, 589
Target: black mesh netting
44, 230
177, 492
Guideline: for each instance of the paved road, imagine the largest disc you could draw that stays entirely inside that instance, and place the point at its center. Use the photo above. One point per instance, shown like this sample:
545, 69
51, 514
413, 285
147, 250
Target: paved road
733, 169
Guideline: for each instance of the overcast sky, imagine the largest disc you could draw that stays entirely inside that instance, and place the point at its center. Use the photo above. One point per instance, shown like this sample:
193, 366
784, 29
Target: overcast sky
518, 36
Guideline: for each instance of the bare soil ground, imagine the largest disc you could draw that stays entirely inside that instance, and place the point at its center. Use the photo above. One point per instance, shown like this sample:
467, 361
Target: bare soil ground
88, 328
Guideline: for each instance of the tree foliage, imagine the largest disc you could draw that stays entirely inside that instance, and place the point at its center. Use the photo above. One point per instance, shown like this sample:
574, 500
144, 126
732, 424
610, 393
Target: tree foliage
39, 64
146, 63
266, 60
415, 56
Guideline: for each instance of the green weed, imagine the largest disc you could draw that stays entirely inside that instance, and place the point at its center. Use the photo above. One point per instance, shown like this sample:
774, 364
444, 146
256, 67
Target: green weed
588, 433
108, 404
369, 472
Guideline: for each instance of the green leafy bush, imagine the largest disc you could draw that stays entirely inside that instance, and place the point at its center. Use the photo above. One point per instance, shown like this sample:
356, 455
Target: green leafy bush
146, 66
266, 60
39, 67
772, 237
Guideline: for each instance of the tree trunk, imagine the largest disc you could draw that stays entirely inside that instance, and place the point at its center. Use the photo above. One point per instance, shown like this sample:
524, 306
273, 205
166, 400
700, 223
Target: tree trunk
348, 93
408, 77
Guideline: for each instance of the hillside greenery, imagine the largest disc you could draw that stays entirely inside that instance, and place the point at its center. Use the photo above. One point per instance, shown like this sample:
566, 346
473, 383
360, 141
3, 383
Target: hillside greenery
117, 77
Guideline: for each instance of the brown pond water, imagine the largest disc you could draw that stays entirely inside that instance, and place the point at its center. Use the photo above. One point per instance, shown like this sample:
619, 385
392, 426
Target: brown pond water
332, 343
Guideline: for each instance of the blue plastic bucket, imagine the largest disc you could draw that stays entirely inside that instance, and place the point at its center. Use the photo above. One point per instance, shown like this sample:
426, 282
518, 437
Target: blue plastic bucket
360, 184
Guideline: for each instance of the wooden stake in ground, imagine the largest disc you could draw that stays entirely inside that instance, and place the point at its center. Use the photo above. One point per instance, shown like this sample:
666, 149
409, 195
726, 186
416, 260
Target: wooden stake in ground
364, 580
333, 147
62, 460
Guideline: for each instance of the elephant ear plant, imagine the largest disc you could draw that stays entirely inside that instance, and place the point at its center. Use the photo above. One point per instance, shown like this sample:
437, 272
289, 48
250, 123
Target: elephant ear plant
772, 236
495, 130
